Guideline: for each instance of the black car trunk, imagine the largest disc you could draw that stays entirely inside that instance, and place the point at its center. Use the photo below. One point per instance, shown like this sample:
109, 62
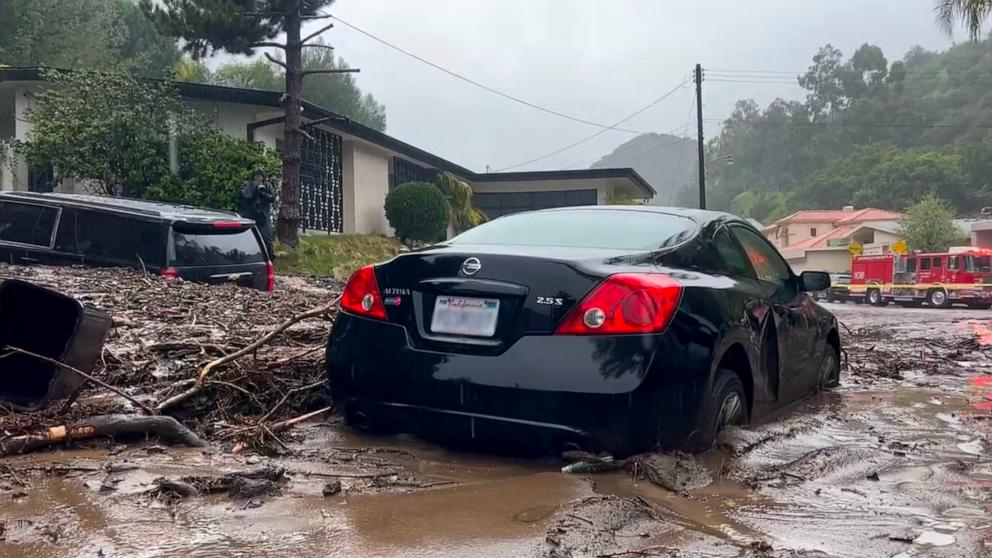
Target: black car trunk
226, 254
512, 295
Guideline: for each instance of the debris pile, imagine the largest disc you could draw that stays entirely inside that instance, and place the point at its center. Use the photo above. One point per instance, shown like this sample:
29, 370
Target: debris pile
165, 332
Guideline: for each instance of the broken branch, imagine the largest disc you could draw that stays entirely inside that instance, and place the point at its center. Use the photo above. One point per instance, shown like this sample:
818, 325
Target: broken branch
206, 370
75, 370
166, 428
275, 61
334, 71
316, 33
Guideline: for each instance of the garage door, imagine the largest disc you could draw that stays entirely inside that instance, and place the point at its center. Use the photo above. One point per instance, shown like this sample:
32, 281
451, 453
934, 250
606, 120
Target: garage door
497, 204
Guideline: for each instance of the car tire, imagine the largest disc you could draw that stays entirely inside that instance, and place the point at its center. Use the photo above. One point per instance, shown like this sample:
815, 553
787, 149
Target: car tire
725, 405
937, 298
829, 369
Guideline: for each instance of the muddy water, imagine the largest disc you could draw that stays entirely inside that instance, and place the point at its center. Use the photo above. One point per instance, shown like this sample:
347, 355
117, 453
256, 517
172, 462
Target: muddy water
888, 469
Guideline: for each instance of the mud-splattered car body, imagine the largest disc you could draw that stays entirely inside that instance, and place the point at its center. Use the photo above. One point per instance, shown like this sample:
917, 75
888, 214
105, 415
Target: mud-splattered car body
734, 320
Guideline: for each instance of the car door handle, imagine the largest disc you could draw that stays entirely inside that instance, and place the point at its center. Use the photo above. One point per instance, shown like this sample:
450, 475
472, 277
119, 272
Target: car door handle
27, 259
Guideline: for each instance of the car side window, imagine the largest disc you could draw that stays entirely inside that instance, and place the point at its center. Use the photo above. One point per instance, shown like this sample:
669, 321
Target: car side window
766, 261
953, 262
732, 259
118, 238
924, 264
27, 223
65, 237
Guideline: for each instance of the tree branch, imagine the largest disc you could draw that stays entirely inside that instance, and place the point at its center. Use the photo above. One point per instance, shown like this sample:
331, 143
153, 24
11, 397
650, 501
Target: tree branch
324, 16
268, 44
276, 61
318, 45
316, 34
337, 71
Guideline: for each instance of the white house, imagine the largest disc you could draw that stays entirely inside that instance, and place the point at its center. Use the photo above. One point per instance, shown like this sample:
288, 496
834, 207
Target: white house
347, 168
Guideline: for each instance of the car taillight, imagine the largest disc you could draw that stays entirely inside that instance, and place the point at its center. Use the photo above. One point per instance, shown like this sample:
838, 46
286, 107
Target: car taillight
270, 277
361, 295
625, 303
227, 225
169, 273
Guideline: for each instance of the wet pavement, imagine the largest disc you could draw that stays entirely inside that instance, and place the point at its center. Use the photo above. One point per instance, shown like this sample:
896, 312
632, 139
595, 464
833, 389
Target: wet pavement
895, 462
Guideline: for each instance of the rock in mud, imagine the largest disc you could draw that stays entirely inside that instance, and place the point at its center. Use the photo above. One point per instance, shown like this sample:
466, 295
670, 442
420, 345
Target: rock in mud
332, 488
604, 525
678, 472
245, 487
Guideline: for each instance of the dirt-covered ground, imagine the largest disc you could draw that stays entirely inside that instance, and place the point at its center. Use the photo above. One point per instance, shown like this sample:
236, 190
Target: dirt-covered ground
893, 463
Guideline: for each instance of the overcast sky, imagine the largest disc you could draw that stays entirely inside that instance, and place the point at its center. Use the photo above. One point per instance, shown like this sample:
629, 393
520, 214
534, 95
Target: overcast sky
599, 60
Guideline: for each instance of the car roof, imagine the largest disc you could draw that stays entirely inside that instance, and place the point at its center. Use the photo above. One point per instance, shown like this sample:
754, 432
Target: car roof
699, 216
159, 210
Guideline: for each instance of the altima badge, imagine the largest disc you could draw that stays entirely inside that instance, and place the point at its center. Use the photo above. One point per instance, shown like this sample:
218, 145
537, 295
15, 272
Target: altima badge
471, 266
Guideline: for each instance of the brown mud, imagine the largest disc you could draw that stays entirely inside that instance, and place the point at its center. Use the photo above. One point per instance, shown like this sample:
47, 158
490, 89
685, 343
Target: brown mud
895, 462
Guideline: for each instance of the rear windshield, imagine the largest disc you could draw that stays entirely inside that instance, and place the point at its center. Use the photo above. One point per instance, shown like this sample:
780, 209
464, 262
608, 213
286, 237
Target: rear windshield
220, 248
583, 228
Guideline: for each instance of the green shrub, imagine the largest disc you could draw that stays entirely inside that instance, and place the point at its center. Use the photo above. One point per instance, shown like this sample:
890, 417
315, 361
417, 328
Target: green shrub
418, 212
212, 165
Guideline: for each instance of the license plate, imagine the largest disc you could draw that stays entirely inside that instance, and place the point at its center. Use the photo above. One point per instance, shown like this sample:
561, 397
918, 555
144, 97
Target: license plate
459, 315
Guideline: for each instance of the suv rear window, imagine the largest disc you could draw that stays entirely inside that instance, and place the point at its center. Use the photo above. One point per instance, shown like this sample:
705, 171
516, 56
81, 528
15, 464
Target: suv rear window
583, 228
26, 223
216, 248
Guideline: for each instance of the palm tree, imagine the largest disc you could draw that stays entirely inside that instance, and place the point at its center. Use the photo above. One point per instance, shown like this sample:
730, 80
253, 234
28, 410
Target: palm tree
462, 215
971, 13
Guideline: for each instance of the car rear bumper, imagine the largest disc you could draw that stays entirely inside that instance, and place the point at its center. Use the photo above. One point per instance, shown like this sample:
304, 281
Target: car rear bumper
598, 392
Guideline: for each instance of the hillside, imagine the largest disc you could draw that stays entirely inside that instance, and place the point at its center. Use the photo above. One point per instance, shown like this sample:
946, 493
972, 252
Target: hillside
666, 162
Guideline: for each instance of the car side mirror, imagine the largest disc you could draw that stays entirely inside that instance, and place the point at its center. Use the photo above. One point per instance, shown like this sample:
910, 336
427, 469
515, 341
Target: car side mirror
812, 281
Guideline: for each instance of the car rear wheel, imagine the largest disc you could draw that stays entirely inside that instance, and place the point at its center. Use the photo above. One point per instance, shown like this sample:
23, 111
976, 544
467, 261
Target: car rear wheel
937, 298
725, 406
829, 369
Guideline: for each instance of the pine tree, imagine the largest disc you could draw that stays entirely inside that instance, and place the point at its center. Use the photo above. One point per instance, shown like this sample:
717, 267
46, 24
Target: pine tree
241, 27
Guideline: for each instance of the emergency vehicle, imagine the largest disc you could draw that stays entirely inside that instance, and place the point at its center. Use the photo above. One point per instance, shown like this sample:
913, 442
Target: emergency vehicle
960, 276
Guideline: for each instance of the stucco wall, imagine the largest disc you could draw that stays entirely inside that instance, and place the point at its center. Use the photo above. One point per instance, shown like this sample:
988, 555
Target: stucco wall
798, 232
365, 181
834, 261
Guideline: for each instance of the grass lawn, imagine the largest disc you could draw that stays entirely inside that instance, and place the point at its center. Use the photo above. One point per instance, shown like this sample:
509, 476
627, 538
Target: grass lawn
334, 255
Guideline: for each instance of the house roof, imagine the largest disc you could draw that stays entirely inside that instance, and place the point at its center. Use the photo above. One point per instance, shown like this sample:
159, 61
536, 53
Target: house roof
344, 124
837, 217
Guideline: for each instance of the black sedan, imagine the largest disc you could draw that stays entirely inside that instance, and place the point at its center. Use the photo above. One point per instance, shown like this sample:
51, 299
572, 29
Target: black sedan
607, 328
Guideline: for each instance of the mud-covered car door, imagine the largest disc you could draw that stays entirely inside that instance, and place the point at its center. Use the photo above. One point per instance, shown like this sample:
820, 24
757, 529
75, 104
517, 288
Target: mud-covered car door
796, 323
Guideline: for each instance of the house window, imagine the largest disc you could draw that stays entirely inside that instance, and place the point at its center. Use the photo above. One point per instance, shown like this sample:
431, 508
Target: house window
812, 231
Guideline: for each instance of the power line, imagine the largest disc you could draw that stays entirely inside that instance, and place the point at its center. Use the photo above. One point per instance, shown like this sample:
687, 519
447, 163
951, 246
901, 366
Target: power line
850, 125
599, 133
481, 85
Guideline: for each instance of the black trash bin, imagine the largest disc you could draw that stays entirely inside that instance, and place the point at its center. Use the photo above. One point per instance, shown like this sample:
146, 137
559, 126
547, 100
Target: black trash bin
51, 324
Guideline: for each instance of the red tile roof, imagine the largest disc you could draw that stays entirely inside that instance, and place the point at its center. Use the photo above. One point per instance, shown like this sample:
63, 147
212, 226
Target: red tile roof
821, 241
837, 217
871, 214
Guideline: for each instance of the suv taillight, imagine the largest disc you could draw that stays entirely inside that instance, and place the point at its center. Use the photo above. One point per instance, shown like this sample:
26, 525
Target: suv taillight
169, 273
625, 303
361, 295
270, 277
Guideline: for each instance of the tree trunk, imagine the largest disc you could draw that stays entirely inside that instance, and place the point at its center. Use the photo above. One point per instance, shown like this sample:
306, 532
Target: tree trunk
288, 223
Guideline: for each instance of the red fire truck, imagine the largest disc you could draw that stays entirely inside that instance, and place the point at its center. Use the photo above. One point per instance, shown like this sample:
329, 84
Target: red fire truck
961, 276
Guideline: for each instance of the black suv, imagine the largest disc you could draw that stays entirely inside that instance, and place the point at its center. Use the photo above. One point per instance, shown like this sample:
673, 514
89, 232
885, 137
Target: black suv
171, 240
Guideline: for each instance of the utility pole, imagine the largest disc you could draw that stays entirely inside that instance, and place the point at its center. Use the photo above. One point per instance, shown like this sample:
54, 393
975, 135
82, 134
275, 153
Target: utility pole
699, 134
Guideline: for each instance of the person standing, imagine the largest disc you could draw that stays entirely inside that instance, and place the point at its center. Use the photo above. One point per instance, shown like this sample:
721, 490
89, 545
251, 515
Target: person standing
255, 202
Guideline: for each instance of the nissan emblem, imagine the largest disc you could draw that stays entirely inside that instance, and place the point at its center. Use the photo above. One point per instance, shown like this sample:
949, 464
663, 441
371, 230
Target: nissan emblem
471, 266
